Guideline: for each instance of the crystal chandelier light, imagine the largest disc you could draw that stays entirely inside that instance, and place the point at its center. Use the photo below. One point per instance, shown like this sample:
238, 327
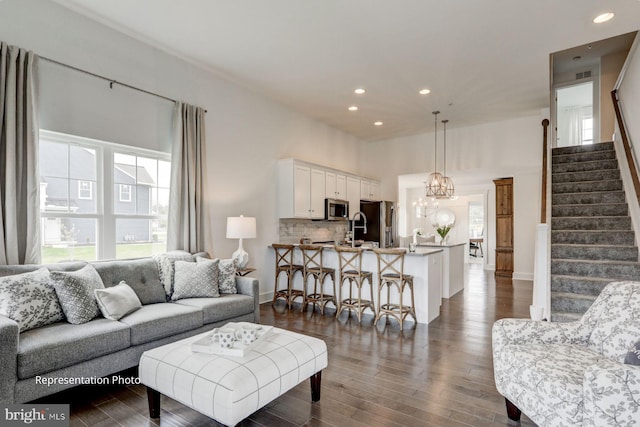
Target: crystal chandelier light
434, 181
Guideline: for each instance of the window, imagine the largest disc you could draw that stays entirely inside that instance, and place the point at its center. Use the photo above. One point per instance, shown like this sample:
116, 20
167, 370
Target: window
587, 130
85, 190
125, 193
119, 209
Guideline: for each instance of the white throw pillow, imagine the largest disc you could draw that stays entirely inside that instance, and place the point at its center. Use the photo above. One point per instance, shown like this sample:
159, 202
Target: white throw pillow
196, 280
30, 299
117, 301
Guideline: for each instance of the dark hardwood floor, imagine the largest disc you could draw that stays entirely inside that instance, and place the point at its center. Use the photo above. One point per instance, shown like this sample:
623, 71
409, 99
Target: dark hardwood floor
435, 375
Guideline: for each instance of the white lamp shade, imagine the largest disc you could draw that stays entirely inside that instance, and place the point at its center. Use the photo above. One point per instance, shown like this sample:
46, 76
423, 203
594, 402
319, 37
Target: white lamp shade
241, 227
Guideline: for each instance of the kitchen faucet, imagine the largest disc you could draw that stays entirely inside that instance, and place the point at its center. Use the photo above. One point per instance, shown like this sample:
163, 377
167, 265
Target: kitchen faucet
354, 226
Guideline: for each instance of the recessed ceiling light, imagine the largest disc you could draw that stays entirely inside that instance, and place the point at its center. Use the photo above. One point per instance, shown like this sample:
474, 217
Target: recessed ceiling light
353, 108
359, 91
424, 92
378, 123
603, 18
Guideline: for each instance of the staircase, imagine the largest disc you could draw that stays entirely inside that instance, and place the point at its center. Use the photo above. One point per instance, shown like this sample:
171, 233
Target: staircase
592, 240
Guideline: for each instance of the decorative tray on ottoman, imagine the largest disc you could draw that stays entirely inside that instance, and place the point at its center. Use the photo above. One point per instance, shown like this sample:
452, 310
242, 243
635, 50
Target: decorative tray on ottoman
209, 344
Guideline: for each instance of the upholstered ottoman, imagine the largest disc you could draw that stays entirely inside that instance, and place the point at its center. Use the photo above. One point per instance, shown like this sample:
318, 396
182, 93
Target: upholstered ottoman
230, 388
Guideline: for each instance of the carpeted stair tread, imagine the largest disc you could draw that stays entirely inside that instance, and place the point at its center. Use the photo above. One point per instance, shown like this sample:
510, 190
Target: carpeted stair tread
599, 209
596, 237
584, 166
566, 317
587, 186
614, 270
594, 252
583, 157
578, 284
588, 198
602, 146
570, 302
579, 176
605, 223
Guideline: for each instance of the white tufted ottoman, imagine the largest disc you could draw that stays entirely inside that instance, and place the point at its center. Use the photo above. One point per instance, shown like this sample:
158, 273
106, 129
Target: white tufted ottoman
228, 388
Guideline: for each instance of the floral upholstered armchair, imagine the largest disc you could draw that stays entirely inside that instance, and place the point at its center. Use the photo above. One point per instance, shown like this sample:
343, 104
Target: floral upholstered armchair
574, 374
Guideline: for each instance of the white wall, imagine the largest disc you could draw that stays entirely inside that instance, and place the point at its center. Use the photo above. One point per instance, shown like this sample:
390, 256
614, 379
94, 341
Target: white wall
476, 155
629, 94
246, 133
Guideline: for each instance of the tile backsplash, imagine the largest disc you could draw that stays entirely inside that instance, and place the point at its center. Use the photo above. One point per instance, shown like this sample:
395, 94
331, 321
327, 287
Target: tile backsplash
292, 230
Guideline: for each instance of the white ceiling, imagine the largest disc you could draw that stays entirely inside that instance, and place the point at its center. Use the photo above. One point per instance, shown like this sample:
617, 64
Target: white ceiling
484, 60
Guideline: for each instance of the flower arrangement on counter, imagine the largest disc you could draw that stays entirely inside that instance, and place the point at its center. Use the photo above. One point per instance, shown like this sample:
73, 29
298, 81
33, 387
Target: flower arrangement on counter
416, 232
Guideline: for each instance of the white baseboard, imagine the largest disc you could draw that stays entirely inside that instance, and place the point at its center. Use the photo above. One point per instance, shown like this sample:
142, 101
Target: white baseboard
266, 297
523, 276
490, 267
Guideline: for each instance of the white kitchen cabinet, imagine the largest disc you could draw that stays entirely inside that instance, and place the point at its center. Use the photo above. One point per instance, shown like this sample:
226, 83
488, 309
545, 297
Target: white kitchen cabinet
301, 190
335, 185
369, 190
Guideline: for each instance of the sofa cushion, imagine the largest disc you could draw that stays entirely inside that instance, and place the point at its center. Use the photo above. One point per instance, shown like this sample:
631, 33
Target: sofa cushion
141, 274
117, 301
30, 299
165, 264
617, 326
62, 344
196, 280
225, 307
75, 292
155, 321
546, 380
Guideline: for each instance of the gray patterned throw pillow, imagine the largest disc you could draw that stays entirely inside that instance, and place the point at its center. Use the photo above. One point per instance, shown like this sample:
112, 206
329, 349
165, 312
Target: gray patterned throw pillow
166, 268
196, 280
75, 291
633, 356
30, 299
228, 269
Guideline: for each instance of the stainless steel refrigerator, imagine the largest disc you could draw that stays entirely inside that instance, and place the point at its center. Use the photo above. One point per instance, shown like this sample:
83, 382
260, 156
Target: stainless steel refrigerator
381, 223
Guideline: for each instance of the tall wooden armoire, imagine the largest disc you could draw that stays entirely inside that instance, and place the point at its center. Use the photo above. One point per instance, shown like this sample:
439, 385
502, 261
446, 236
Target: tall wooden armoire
504, 227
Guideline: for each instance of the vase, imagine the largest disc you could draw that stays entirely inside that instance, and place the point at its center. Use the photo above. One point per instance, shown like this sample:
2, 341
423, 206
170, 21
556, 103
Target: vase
444, 239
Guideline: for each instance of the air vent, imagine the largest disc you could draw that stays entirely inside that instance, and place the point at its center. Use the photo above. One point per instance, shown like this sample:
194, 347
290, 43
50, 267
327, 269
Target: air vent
583, 75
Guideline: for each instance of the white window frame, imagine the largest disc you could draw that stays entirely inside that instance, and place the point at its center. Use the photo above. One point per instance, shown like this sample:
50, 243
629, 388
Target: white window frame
80, 190
124, 193
105, 215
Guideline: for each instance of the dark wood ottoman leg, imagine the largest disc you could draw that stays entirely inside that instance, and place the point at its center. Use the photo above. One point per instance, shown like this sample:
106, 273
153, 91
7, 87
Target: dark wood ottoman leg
315, 386
512, 411
153, 397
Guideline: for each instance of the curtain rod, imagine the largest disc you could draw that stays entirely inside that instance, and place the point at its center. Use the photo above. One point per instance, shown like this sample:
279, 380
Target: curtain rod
111, 81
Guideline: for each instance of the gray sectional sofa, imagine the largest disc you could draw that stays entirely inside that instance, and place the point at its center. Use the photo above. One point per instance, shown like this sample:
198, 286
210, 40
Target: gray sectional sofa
51, 358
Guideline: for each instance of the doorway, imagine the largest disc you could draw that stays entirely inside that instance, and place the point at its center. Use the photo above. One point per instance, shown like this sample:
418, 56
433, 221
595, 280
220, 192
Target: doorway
575, 115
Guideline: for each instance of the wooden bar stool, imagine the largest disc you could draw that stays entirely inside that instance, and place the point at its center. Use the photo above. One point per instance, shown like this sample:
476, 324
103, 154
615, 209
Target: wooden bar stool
391, 274
314, 267
285, 264
351, 271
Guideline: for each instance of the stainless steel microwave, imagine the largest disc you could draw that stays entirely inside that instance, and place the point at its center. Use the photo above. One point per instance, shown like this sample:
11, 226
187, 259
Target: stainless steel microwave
336, 210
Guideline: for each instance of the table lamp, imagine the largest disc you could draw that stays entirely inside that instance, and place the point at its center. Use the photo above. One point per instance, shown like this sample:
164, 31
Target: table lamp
241, 227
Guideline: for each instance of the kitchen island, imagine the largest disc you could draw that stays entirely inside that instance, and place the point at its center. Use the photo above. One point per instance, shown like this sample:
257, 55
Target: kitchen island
452, 266
425, 265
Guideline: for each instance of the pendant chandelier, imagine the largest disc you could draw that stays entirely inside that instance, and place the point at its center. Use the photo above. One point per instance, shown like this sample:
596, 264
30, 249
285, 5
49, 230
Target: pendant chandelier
447, 188
434, 181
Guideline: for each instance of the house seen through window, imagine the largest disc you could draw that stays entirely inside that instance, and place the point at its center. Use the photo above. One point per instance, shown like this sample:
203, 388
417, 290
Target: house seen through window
100, 200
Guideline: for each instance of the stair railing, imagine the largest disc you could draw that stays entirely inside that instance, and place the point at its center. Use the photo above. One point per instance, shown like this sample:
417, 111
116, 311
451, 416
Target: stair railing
626, 144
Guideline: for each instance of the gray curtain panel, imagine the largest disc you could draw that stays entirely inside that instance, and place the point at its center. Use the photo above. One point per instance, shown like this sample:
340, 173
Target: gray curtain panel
19, 186
187, 214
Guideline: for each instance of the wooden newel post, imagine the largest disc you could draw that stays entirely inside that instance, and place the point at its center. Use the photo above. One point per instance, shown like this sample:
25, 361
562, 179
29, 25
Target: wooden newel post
543, 204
